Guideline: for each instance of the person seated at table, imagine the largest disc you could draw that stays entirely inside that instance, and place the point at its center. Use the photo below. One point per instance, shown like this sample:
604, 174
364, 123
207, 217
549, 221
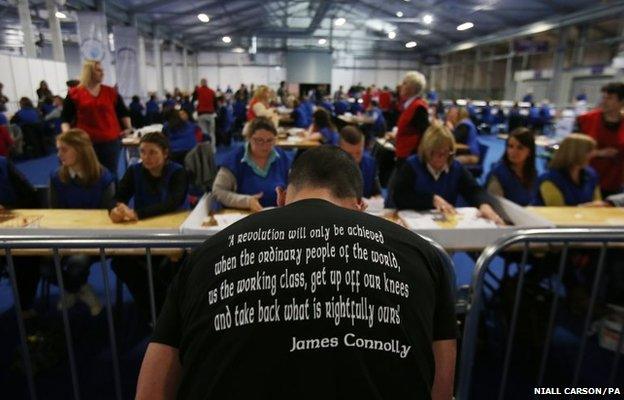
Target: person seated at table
465, 133
136, 112
81, 182
352, 141
322, 128
29, 121
247, 178
299, 115
513, 176
374, 121
570, 180
433, 179
181, 134
152, 110
158, 186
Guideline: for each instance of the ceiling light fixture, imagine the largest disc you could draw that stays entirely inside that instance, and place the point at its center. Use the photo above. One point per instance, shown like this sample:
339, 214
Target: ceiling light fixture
203, 17
422, 32
465, 26
391, 34
399, 14
60, 15
340, 21
427, 19
226, 39
411, 44
322, 41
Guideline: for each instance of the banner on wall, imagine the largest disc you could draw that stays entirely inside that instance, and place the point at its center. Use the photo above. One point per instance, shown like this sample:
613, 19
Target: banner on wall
127, 61
94, 41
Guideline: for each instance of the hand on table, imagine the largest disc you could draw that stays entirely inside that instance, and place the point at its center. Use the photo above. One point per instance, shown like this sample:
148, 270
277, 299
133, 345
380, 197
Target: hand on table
442, 205
123, 213
486, 211
254, 203
596, 203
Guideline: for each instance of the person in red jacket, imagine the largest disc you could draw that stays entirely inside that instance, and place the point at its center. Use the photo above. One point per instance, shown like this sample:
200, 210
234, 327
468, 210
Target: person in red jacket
414, 119
606, 126
206, 114
97, 109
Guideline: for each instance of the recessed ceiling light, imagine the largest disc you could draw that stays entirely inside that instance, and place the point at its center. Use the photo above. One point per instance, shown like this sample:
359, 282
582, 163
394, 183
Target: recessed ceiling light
60, 15
422, 32
391, 34
203, 17
226, 39
340, 21
238, 50
465, 26
427, 19
399, 14
322, 41
410, 45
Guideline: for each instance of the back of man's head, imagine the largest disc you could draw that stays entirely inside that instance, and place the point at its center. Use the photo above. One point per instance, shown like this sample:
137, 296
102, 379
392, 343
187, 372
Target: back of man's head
327, 167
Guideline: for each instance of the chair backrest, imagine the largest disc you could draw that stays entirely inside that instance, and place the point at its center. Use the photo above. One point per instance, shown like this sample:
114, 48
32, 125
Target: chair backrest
200, 165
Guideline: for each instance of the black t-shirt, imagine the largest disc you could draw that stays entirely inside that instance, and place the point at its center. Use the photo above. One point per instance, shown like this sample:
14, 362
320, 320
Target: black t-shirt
360, 327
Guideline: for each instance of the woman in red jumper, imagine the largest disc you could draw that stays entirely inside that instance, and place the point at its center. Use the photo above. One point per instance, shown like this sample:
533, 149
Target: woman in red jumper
98, 110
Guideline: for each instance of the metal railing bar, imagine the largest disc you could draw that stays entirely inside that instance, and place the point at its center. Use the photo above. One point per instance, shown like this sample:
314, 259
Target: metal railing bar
551, 320
68, 335
514, 321
590, 312
21, 327
111, 324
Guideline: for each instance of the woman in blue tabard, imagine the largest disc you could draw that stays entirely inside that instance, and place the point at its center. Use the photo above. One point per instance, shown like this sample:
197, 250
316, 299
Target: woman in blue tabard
247, 178
514, 175
570, 180
181, 133
300, 116
466, 133
157, 186
433, 179
322, 128
79, 183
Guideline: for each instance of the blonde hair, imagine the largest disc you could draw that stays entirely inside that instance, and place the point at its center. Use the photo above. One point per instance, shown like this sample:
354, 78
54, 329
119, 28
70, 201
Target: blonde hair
86, 158
573, 150
86, 75
262, 93
436, 137
462, 114
416, 80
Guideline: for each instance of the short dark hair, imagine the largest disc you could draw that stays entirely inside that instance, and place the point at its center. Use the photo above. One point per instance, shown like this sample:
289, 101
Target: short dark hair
322, 119
616, 88
260, 123
327, 167
351, 135
157, 138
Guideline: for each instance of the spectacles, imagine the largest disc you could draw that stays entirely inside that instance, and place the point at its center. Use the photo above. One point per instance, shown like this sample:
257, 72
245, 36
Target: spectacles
260, 141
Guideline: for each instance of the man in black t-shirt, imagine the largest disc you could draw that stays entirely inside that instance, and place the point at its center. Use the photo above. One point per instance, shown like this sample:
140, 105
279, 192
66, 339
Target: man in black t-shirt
313, 300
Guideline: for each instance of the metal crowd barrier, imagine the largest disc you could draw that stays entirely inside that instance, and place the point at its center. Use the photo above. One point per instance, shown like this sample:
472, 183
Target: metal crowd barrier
523, 243
11, 245
56, 245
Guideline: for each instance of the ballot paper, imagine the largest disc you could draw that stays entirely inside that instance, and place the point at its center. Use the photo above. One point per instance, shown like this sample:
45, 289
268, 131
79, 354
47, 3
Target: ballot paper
375, 205
465, 218
10, 219
222, 220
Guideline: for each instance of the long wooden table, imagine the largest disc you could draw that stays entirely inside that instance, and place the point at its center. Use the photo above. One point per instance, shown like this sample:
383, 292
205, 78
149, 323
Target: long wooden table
569, 217
89, 224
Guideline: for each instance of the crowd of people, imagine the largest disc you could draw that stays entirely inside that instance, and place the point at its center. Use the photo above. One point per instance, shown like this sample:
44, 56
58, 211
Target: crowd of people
434, 149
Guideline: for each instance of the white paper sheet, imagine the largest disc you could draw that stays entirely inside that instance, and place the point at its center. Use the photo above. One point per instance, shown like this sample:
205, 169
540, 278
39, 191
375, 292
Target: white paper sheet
466, 218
